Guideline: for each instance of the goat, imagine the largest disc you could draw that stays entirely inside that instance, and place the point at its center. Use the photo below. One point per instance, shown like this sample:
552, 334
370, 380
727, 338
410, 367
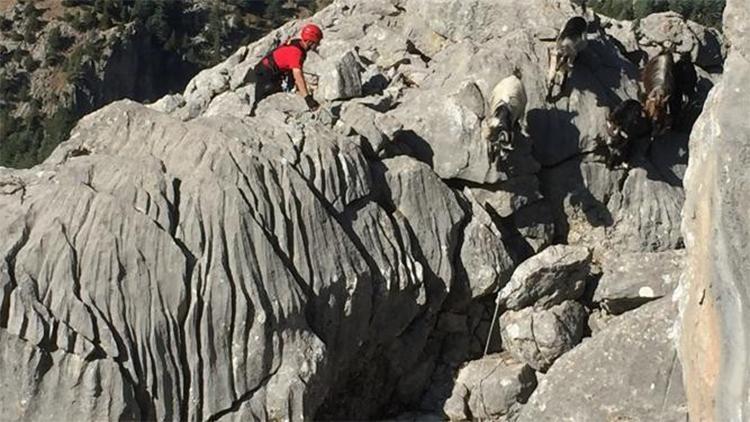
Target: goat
570, 42
507, 107
659, 87
626, 123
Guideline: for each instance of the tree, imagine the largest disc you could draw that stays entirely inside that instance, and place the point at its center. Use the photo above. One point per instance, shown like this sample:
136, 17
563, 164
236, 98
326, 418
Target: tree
274, 11
30, 64
215, 32
55, 41
5, 24
157, 24
56, 130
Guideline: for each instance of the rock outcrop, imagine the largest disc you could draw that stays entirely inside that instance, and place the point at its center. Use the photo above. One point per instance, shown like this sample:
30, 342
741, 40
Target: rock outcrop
715, 298
191, 262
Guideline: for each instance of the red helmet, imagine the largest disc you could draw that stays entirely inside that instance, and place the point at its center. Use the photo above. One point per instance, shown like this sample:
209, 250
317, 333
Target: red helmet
311, 33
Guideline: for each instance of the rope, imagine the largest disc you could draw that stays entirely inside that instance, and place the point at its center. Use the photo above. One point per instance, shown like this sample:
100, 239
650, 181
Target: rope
492, 324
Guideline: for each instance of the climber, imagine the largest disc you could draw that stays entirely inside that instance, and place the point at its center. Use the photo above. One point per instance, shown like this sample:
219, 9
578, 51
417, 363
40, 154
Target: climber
507, 107
626, 123
285, 62
659, 87
570, 42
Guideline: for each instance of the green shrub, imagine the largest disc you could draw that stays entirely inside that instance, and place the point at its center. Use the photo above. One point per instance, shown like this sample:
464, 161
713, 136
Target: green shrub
30, 64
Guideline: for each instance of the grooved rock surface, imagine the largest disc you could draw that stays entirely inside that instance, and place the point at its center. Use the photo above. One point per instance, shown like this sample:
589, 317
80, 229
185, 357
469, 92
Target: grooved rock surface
199, 272
69, 385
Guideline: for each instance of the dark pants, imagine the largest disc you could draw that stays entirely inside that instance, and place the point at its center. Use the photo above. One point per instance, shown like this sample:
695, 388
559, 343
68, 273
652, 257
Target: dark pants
267, 83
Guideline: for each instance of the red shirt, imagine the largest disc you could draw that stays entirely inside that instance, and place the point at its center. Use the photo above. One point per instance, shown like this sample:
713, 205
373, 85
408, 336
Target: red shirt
288, 57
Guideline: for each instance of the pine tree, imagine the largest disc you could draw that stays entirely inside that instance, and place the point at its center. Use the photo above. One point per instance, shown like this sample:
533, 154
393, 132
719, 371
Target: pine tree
157, 23
274, 11
215, 32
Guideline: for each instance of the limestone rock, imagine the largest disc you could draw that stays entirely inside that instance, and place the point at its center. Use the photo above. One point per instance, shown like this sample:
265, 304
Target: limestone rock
633, 357
41, 385
634, 211
632, 279
338, 78
488, 388
486, 262
377, 128
704, 45
168, 103
556, 274
539, 337
508, 197
714, 299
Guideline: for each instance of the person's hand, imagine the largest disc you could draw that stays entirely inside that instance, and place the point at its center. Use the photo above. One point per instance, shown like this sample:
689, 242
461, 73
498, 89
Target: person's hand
311, 103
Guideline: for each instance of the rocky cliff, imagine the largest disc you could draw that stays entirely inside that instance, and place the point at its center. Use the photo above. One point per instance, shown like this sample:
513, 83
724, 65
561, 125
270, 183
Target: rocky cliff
715, 297
183, 260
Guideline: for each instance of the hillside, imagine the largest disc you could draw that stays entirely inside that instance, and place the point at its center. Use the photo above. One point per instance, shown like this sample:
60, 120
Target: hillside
60, 59
180, 259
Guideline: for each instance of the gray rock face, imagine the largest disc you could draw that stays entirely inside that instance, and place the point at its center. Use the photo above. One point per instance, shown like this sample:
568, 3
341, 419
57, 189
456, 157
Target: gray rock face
69, 385
377, 128
631, 211
486, 261
208, 256
338, 78
539, 337
659, 30
633, 279
491, 387
715, 300
633, 357
207, 265
556, 274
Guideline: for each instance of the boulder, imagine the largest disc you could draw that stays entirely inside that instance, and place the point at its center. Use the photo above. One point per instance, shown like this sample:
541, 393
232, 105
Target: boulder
508, 197
657, 31
485, 260
556, 274
632, 358
377, 128
489, 388
538, 337
530, 229
337, 77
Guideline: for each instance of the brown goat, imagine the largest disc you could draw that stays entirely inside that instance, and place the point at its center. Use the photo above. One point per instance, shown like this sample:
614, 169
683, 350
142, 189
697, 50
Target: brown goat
659, 87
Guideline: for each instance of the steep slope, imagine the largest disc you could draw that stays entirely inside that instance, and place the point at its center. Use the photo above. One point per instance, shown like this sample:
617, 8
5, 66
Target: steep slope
338, 264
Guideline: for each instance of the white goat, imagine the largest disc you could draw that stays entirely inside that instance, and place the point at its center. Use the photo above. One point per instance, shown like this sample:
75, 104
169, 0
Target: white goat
507, 107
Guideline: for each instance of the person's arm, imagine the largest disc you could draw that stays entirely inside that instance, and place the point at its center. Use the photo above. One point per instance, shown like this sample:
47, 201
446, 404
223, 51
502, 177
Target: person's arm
299, 81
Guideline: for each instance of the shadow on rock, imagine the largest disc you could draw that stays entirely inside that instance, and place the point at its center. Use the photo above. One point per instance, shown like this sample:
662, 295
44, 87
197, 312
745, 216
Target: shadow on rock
410, 143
